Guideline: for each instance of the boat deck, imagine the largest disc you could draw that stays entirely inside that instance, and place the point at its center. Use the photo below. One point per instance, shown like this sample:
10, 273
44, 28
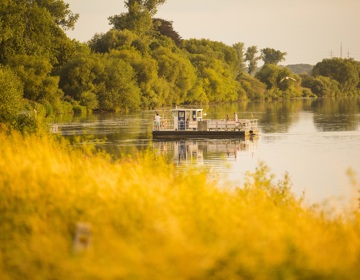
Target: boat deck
206, 129
183, 134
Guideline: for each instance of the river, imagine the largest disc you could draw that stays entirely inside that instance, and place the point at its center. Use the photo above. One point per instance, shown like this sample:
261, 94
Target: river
315, 141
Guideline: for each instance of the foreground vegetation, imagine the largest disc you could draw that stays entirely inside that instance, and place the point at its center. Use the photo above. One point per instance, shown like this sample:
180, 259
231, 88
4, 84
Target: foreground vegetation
145, 221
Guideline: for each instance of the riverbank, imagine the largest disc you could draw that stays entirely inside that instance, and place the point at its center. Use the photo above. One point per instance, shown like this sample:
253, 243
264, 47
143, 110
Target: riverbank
67, 213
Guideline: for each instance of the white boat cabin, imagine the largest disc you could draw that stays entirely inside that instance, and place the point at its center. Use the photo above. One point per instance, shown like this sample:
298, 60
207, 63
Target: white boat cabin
185, 119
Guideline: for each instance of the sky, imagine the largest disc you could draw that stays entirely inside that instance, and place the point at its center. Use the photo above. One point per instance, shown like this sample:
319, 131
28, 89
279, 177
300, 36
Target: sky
307, 30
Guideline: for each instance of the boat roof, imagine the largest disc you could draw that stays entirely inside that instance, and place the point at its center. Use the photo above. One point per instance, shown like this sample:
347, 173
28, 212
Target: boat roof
187, 109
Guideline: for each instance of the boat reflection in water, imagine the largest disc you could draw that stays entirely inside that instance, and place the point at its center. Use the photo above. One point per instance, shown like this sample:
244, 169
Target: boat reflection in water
205, 151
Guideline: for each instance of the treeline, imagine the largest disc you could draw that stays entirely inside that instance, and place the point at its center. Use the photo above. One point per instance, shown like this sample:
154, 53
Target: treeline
141, 62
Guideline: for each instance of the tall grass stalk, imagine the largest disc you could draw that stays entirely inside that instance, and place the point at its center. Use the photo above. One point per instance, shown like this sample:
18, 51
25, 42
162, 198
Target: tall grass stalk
149, 222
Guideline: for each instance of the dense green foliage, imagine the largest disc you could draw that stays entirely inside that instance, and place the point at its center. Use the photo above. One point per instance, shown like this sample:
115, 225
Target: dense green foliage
279, 81
252, 59
34, 45
10, 95
345, 71
34, 27
142, 62
271, 56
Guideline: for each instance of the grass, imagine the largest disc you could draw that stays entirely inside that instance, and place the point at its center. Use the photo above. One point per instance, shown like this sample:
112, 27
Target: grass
149, 222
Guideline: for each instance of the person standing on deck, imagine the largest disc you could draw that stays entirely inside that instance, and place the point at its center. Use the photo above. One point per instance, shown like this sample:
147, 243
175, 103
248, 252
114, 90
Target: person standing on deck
235, 117
157, 121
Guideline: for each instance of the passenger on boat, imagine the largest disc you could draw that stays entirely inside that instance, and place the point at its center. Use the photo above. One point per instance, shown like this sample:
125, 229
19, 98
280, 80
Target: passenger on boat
235, 117
157, 121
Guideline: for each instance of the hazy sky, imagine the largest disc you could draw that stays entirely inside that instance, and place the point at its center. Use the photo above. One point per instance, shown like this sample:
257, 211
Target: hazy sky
308, 30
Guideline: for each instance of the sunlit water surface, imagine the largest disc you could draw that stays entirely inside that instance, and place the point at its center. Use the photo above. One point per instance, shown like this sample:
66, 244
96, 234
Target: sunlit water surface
317, 142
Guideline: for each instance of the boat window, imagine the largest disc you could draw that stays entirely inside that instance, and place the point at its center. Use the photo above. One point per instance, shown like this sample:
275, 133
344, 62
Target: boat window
194, 115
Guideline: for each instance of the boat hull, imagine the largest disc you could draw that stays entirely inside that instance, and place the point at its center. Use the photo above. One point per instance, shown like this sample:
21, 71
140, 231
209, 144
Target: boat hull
185, 134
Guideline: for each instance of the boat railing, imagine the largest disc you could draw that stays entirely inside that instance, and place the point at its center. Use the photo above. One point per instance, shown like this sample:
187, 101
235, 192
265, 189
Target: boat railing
165, 124
248, 124
241, 124
211, 124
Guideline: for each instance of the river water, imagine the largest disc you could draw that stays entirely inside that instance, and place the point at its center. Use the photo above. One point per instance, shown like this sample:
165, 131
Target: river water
317, 142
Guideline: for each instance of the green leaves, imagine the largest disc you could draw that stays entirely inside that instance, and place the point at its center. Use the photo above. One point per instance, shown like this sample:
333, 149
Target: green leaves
138, 19
345, 71
10, 95
272, 56
108, 77
143, 62
252, 58
35, 28
60, 11
280, 82
177, 70
34, 73
121, 91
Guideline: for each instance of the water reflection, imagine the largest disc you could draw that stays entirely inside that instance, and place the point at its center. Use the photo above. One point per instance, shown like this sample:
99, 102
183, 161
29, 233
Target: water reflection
200, 151
315, 140
336, 114
274, 117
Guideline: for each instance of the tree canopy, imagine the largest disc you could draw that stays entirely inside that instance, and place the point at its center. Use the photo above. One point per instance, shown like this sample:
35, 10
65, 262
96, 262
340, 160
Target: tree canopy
141, 62
344, 71
252, 59
35, 27
272, 56
138, 19
10, 95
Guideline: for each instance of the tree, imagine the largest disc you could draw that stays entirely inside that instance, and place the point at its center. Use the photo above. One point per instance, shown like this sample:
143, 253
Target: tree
114, 39
89, 100
61, 13
217, 66
269, 75
280, 82
177, 70
253, 88
197, 93
34, 27
120, 92
39, 85
289, 83
34, 73
345, 71
147, 80
239, 48
321, 86
272, 56
10, 95
82, 74
252, 59
165, 28
138, 19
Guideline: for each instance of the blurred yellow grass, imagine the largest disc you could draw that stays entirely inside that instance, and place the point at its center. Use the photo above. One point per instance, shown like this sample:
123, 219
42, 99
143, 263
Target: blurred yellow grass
148, 222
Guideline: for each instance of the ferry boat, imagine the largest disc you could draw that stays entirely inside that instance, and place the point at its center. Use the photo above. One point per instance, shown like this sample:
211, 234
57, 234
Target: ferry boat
189, 123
